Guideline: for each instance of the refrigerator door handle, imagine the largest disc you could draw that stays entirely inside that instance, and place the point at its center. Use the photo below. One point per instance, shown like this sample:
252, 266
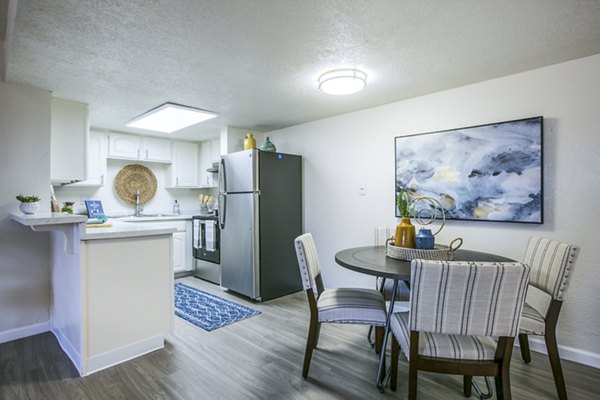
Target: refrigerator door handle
222, 177
222, 209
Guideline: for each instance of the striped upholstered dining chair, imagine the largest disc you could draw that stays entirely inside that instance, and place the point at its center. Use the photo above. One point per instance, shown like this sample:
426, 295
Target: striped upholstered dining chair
456, 308
552, 264
341, 305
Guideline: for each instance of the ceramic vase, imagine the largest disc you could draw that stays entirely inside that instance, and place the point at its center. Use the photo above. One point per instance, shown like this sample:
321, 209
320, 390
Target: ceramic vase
249, 142
29, 208
405, 234
267, 145
425, 239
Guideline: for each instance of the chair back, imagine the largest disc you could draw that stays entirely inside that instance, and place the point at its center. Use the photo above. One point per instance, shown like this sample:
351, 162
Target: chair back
308, 261
552, 264
467, 298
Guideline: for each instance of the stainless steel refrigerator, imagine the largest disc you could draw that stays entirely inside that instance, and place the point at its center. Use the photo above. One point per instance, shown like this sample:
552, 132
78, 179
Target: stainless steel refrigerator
260, 202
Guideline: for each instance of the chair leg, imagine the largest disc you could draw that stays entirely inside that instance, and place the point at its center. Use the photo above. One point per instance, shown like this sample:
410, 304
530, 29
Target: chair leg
412, 381
317, 335
395, 353
559, 380
379, 331
467, 385
524, 344
313, 333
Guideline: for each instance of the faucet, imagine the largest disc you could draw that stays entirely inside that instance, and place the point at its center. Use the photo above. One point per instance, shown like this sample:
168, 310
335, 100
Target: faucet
138, 205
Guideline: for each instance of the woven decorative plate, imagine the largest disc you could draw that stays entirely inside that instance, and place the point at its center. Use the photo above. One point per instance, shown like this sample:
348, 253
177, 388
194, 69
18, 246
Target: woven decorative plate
135, 177
439, 252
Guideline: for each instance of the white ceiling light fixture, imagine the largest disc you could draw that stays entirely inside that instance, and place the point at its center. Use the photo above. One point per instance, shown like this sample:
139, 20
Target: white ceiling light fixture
340, 82
170, 117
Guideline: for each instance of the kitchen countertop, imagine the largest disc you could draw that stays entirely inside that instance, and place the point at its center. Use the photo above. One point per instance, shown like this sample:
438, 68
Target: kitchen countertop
69, 224
124, 229
152, 217
48, 218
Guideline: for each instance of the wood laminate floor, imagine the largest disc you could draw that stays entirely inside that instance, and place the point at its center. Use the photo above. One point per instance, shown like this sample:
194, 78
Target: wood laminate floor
257, 358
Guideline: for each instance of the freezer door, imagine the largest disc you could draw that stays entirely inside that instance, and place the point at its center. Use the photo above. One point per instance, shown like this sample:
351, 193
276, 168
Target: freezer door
239, 244
239, 172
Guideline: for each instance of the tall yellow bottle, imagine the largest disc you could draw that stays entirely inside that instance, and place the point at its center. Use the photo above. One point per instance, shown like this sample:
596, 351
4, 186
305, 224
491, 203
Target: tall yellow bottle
249, 142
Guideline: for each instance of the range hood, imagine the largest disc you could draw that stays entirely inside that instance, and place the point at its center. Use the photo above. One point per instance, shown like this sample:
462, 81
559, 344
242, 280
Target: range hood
214, 168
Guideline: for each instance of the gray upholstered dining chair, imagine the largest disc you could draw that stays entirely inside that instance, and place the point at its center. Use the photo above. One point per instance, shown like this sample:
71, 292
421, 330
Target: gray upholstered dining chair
456, 311
341, 305
552, 264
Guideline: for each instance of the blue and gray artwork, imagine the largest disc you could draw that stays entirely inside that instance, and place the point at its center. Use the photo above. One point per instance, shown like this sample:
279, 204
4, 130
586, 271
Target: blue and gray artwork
491, 172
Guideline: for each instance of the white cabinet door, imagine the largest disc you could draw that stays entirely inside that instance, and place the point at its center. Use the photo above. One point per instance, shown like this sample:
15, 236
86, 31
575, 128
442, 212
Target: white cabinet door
187, 247
97, 151
122, 145
184, 168
206, 178
68, 131
96, 163
156, 149
179, 262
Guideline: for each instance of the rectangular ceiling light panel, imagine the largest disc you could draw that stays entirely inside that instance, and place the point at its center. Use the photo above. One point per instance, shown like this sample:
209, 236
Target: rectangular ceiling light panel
170, 118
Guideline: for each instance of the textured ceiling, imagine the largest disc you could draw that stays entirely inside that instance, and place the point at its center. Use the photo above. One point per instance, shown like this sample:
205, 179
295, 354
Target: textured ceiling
256, 61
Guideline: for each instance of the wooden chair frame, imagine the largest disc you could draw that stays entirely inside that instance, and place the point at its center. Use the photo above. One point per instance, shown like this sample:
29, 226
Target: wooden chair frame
498, 368
551, 320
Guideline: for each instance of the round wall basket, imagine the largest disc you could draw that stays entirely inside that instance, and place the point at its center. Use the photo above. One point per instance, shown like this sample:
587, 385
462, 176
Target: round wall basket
132, 178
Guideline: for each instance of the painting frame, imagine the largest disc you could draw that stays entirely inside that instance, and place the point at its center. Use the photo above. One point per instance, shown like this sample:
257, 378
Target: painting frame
490, 172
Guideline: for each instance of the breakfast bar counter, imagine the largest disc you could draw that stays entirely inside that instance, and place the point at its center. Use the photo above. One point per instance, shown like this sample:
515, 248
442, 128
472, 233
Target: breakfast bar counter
112, 288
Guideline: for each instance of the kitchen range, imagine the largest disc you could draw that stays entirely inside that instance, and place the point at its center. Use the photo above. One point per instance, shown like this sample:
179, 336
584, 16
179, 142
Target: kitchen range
206, 247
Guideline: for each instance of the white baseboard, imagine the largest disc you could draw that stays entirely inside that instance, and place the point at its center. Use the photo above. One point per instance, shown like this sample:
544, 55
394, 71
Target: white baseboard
566, 352
24, 331
68, 348
125, 353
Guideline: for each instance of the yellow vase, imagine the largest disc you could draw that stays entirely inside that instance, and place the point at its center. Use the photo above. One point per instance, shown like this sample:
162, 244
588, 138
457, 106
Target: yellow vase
249, 142
405, 234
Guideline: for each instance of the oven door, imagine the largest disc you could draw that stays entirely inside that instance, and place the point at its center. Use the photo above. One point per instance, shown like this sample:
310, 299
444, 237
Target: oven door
206, 239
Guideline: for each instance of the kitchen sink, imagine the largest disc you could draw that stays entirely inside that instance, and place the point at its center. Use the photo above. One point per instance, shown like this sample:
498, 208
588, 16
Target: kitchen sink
147, 217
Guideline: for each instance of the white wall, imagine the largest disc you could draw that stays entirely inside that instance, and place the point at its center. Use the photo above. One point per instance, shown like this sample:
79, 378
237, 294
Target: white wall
342, 152
25, 166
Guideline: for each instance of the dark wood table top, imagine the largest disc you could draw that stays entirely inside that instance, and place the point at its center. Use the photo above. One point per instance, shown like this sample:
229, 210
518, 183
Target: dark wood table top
371, 260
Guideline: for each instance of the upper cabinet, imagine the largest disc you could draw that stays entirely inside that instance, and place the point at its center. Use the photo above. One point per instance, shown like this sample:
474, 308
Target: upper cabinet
133, 147
97, 151
155, 149
210, 153
69, 130
183, 171
122, 145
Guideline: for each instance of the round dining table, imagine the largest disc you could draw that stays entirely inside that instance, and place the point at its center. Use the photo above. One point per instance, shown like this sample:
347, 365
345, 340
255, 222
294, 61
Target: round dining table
372, 260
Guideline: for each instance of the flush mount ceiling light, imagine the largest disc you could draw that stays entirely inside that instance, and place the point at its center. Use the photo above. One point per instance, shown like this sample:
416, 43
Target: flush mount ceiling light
170, 117
340, 82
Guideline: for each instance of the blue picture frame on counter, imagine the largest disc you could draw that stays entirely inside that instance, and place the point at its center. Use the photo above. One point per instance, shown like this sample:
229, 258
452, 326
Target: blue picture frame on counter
490, 172
94, 208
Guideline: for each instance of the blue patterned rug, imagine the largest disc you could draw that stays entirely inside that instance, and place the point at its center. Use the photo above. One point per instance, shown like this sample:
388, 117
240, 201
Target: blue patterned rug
206, 310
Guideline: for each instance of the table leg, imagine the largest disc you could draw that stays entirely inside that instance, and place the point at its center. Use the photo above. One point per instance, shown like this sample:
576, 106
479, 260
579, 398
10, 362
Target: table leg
380, 380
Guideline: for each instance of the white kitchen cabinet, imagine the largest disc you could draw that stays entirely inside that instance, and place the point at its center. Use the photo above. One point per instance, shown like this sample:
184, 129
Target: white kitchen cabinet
134, 147
155, 149
183, 171
69, 130
206, 178
96, 153
123, 145
210, 153
179, 252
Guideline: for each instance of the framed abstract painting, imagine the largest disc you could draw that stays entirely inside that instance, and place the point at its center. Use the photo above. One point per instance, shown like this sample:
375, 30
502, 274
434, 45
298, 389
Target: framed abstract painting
490, 172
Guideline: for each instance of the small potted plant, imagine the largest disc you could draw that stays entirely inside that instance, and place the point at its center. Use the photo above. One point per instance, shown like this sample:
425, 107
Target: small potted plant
29, 204
405, 230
